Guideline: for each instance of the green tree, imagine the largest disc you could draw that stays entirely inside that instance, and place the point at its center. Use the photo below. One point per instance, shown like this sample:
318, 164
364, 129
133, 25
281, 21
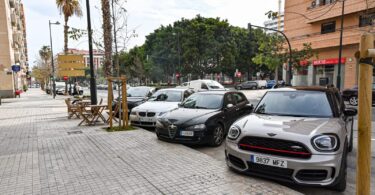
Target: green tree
68, 8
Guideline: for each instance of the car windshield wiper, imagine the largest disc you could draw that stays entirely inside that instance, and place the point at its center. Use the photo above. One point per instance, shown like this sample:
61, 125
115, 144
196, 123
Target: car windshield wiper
200, 107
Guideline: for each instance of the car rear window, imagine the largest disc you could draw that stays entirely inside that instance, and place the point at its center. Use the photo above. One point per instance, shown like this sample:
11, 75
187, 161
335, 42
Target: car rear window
295, 103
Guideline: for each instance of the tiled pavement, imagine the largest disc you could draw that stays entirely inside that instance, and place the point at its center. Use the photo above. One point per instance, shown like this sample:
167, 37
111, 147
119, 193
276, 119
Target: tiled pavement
42, 152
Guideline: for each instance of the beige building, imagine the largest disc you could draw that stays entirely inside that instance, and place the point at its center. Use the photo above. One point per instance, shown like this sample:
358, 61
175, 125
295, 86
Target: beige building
13, 47
318, 22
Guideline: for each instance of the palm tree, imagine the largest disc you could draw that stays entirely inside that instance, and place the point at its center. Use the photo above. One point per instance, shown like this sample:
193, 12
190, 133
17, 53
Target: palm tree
107, 33
68, 8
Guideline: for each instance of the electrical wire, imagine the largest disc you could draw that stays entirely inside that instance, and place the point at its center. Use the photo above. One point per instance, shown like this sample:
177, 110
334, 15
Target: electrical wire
306, 17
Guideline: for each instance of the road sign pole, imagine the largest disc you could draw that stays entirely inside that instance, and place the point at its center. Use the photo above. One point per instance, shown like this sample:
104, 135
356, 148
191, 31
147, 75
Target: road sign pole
364, 116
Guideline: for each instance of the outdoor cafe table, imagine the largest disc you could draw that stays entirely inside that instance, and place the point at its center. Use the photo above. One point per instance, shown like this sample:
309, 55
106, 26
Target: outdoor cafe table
91, 117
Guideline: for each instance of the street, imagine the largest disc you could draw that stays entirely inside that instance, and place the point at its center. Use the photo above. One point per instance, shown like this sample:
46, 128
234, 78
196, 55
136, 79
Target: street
43, 152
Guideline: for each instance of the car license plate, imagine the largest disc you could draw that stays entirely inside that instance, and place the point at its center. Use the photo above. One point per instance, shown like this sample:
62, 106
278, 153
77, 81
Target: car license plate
144, 119
268, 161
187, 133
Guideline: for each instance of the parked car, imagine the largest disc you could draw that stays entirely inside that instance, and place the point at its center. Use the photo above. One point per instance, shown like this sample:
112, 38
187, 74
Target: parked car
262, 84
158, 104
136, 96
297, 135
205, 85
351, 95
204, 117
271, 84
247, 85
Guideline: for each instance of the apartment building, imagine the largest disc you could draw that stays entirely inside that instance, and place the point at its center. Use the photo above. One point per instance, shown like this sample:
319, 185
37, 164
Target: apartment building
274, 23
318, 22
13, 47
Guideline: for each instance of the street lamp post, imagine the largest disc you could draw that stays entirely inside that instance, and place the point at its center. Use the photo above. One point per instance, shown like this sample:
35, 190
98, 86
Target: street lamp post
289, 78
340, 47
52, 62
93, 91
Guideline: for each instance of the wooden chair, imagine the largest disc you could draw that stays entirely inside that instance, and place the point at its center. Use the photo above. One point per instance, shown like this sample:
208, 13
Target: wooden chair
72, 109
114, 113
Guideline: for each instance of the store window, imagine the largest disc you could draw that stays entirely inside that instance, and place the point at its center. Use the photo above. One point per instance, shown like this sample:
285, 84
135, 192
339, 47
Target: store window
324, 75
328, 27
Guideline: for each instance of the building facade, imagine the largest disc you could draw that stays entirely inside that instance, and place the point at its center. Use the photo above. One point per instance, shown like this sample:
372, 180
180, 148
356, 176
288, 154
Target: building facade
318, 22
98, 57
13, 47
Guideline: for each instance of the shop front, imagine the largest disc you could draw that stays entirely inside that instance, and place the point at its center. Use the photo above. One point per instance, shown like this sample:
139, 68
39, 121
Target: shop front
320, 72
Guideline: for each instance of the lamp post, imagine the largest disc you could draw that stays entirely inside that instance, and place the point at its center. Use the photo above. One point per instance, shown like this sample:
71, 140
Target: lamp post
340, 47
93, 93
52, 62
289, 77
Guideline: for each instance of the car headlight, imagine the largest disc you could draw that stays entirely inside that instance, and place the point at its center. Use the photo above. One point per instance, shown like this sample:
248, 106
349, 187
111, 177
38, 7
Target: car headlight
133, 113
197, 127
325, 143
234, 132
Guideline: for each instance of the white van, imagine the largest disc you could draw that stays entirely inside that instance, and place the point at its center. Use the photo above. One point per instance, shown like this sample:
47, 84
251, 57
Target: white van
205, 85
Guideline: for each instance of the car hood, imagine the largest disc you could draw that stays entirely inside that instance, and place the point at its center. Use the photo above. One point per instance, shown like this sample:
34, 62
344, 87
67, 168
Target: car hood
186, 117
152, 106
135, 99
260, 125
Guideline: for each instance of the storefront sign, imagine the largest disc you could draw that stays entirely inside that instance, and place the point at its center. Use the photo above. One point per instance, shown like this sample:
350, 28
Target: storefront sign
331, 61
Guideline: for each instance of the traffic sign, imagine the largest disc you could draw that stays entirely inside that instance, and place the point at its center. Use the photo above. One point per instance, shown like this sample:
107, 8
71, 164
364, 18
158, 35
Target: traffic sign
16, 68
71, 65
65, 78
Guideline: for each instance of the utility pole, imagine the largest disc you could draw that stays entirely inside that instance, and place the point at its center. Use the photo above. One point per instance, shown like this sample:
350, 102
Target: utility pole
340, 47
366, 55
93, 91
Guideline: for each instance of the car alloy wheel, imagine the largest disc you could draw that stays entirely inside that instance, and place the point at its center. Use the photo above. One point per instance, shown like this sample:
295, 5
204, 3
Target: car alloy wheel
218, 136
353, 101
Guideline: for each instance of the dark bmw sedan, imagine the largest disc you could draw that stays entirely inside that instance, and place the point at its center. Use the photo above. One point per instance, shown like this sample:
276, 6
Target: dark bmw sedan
136, 96
203, 118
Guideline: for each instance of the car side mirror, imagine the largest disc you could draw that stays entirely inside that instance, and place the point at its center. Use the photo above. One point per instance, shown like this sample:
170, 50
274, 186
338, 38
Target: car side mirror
350, 112
229, 106
251, 107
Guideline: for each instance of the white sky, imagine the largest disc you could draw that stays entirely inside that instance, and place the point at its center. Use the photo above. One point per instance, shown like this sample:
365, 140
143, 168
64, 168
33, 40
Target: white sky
144, 15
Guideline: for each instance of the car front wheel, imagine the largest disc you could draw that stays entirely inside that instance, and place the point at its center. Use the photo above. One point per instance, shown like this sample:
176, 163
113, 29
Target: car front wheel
353, 101
218, 136
340, 184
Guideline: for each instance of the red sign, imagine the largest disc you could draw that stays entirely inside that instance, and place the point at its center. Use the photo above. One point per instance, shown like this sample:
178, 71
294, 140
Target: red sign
239, 74
65, 78
331, 61
178, 75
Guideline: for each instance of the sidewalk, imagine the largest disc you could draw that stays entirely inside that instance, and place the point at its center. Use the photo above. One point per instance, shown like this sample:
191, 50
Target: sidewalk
41, 152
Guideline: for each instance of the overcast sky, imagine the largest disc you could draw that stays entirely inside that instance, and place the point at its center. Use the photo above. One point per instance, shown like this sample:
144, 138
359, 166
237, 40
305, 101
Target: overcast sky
143, 15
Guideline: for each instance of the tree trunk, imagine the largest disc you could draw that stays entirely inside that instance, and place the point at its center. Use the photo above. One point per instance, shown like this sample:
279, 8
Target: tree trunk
66, 29
276, 73
107, 33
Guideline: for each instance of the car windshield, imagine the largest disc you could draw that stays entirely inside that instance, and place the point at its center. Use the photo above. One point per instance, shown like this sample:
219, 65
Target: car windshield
167, 96
295, 103
203, 101
138, 92
214, 85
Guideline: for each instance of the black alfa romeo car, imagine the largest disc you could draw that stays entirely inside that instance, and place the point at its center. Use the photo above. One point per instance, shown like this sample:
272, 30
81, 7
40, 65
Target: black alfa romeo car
203, 118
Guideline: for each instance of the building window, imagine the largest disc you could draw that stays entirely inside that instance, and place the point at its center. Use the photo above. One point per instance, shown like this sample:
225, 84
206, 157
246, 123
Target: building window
328, 27
366, 20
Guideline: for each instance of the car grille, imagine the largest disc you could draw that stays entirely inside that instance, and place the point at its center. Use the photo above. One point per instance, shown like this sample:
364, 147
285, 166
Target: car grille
275, 147
312, 175
236, 161
142, 114
150, 114
270, 172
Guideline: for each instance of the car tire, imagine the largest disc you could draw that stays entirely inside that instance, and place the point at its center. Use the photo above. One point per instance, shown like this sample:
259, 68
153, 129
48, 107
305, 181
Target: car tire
254, 88
218, 136
239, 88
340, 183
350, 147
353, 101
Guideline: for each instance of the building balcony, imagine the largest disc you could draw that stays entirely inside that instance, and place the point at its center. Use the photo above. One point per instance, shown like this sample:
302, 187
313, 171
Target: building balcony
331, 9
13, 19
17, 57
